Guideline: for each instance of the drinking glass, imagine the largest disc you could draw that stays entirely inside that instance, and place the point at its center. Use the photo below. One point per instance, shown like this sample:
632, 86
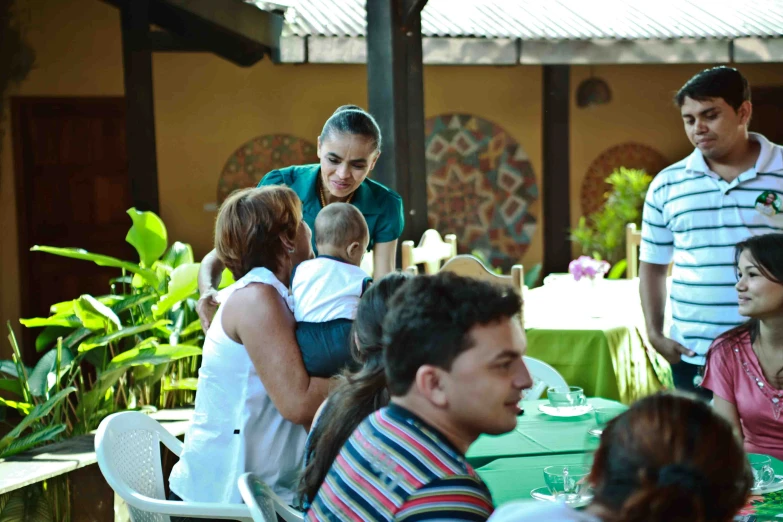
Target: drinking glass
566, 396
566, 483
763, 474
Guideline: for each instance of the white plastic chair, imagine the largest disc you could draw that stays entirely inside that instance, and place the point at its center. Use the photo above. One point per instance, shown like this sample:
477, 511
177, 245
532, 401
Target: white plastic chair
544, 376
264, 503
127, 445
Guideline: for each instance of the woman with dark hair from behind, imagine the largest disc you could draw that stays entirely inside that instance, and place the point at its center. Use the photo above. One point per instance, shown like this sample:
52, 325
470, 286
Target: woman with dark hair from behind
745, 365
669, 458
356, 394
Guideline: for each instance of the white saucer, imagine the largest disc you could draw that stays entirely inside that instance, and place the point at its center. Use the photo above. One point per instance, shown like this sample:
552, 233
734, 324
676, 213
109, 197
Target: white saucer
596, 432
776, 485
544, 495
565, 411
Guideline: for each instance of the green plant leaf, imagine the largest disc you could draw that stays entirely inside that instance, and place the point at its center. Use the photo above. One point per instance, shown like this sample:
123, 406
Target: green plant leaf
96, 315
188, 383
226, 278
71, 321
77, 253
9, 368
24, 408
76, 337
163, 353
134, 300
193, 327
39, 378
49, 335
11, 385
183, 283
103, 340
178, 254
531, 276
65, 307
38, 413
618, 269
33, 439
147, 235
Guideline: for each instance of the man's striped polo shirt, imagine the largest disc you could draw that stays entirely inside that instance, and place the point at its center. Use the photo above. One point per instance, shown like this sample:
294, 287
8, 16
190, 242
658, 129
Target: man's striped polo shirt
694, 217
396, 467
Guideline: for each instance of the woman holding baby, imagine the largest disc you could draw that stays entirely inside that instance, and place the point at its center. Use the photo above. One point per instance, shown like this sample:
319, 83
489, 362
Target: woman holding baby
254, 398
348, 148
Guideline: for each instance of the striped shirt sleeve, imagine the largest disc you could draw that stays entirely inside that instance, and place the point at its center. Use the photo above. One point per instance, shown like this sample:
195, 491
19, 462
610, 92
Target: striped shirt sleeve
657, 240
449, 498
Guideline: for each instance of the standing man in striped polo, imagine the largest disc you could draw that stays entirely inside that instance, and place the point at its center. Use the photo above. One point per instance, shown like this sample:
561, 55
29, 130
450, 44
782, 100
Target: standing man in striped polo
729, 188
454, 369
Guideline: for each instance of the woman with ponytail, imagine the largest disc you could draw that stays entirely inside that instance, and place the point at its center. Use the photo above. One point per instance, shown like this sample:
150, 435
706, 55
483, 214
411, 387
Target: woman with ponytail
745, 365
348, 148
356, 395
669, 458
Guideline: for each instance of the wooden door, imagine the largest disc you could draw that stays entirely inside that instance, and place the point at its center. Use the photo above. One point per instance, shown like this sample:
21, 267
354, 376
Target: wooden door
72, 191
768, 112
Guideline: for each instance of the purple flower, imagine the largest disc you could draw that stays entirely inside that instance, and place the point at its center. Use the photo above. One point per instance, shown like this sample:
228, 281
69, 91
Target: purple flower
586, 266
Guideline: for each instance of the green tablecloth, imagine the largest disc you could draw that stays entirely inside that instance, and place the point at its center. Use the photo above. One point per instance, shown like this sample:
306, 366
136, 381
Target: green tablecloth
514, 479
539, 434
595, 338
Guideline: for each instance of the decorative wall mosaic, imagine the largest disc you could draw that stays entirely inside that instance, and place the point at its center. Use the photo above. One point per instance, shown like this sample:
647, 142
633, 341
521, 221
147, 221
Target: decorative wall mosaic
248, 164
480, 186
630, 155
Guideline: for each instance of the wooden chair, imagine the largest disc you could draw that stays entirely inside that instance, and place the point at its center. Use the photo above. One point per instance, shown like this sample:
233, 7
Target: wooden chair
432, 250
633, 239
469, 266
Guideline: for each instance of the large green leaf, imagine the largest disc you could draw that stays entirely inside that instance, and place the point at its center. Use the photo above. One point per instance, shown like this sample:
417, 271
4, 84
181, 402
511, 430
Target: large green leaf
76, 337
11, 385
47, 434
78, 253
147, 235
9, 368
65, 307
24, 408
103, 340
39, 378
178, 254
49, 336
226, 278
96, 315
133, 300
55, 320
183, 283
38, 413
188, 383
163, 353
193, 327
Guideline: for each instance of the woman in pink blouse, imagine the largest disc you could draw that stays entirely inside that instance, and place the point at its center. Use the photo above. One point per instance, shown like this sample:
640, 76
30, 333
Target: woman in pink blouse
745, 365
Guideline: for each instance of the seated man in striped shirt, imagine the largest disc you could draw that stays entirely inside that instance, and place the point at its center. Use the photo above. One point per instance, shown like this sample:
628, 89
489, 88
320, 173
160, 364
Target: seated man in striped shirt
454, 370
728, 189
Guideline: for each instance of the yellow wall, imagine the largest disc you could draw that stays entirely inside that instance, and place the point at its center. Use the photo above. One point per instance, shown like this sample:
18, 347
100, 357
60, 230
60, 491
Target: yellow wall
206, 107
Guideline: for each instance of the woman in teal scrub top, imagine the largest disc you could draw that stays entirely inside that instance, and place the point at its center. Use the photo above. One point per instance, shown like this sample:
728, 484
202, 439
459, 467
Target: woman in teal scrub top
348, 147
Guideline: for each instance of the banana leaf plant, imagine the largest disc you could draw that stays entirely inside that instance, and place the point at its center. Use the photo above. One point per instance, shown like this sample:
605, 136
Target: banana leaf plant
136, 346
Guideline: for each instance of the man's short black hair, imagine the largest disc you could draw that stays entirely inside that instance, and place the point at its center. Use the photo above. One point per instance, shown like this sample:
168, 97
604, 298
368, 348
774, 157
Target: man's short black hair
429, 319
717, 82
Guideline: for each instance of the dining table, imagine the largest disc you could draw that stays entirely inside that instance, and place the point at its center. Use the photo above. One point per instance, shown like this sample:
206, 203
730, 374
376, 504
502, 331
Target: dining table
511, 479
593, 333
540, 435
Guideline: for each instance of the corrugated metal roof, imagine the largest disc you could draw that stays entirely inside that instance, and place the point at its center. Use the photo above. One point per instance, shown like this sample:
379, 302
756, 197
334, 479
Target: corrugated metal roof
555, 19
